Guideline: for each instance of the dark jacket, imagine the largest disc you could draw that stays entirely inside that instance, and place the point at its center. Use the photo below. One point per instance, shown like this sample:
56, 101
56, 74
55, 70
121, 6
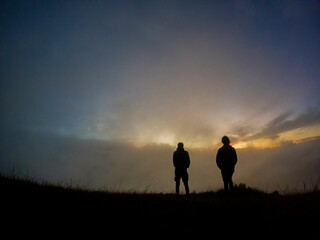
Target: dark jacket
226, 158
181, 159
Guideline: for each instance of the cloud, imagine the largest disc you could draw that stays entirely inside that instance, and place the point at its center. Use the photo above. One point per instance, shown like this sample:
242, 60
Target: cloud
98, 164
289, 165
280, 124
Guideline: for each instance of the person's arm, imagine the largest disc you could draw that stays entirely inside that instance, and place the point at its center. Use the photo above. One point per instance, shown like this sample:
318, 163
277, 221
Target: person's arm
174, 159
218, 159
187, 159
235, 158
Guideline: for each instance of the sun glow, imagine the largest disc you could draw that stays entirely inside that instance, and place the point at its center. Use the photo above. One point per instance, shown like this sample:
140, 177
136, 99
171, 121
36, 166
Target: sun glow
240, 145
295, 136
165, 137
300, 134
258, 143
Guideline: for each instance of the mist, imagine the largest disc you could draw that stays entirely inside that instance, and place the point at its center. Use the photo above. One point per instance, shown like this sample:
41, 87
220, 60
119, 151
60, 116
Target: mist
118, 166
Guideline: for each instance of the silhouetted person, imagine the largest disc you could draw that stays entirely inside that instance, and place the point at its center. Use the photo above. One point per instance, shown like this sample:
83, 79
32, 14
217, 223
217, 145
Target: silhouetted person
181, 162
226, 160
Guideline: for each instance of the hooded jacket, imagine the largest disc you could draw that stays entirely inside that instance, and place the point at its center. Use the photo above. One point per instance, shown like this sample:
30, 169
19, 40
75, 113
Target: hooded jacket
181, 159
226, 158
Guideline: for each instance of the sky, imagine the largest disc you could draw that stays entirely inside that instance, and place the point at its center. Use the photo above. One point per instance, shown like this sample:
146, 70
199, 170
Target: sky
101, 92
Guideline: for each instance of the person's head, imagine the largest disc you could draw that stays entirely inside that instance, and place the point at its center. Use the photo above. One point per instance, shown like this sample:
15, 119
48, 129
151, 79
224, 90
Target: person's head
180, 145
225, 140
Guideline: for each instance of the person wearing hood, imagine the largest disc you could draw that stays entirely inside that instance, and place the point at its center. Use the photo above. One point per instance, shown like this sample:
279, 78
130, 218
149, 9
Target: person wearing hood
226, 160
181, 162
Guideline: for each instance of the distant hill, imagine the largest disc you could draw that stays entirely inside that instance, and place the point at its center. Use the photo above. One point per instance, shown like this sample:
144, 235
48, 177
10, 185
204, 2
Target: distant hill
45, 211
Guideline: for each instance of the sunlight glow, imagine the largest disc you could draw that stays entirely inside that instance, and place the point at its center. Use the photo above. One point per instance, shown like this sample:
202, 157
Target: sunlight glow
300, 134
295, 136
240, 145
166, 138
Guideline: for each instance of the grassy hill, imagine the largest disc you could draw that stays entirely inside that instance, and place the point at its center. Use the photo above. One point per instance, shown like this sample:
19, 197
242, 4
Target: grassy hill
44, 211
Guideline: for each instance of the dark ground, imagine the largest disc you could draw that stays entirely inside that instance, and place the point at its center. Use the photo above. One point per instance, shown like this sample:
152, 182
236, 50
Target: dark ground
43, 211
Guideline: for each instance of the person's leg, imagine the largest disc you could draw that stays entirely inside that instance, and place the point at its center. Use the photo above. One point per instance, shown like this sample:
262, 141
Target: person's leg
177, 187
177, 177
186, 186
230, 183
185, 179
226, 185
225, 181
226, 189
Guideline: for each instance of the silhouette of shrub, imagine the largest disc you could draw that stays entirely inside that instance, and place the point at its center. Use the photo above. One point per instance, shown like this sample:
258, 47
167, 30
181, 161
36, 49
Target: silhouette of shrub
243, 189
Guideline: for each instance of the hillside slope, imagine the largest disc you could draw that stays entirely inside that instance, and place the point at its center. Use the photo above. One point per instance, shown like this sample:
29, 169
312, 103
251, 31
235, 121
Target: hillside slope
44, 211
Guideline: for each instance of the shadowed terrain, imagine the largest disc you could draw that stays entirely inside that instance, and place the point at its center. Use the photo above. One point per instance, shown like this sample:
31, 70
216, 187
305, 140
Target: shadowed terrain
34, 210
